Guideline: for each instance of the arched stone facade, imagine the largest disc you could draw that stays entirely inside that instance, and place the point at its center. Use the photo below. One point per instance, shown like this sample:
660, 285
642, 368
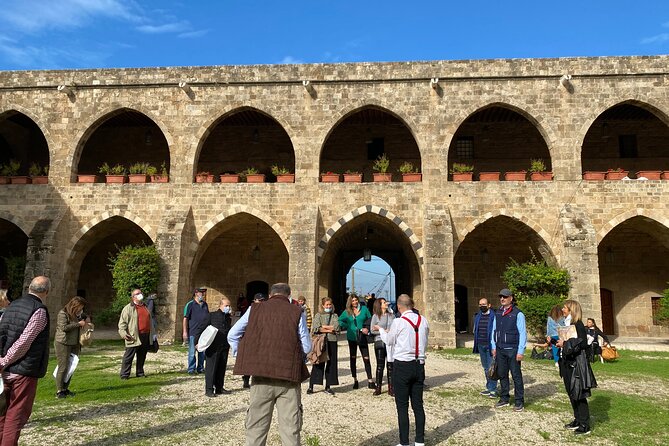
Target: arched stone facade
430, 219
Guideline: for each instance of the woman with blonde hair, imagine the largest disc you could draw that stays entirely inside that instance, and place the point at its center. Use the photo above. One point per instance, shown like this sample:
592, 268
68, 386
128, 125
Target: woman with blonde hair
575, 369
326, 322
355, 320
70, 320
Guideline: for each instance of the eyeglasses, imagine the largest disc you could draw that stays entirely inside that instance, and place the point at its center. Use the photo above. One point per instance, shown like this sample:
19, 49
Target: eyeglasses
504, 297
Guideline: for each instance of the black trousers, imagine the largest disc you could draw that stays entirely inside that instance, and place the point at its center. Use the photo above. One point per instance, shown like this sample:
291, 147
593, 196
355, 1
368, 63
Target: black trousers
381, 355
580, 407
141, 356
215, 364
364, 351
408, 380
329, 368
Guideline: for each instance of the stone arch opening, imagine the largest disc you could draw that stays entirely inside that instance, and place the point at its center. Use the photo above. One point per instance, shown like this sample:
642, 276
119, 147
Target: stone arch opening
88, 264
364, 134
22, 140
238, 250
14, 244
498, 138
246, 138
373, 276
634, 267
126, 137
631, 135
383, 238
483, 255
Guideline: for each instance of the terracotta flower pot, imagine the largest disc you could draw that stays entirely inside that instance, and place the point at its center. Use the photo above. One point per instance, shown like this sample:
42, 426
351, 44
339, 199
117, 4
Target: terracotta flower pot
137, 178
665, 175
285, 178
463, 176
41, 179
541, 176
20, 179
329, 178
515, 176
86, 178
650, 174
4, 180
413, 177
204, 178
382, 177
116, 179
616, 175
230, 178
160, 178
593, 175
488, 176
352, 178
255, 178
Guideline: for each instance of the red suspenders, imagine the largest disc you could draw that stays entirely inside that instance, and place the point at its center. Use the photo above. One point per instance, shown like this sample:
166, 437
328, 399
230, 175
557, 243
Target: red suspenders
415, 329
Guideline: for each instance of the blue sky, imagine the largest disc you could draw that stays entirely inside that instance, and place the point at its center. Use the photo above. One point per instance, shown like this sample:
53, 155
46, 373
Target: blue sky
62, 34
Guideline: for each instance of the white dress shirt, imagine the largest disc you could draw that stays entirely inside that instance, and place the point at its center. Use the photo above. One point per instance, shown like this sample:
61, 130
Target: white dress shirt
402, 337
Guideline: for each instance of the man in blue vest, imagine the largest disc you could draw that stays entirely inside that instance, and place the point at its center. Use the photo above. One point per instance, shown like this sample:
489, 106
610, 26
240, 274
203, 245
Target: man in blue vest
483, 323
508, 347
196, 319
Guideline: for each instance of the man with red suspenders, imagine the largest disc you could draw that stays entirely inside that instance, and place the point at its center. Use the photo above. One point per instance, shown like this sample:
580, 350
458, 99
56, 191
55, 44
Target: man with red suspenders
408, 338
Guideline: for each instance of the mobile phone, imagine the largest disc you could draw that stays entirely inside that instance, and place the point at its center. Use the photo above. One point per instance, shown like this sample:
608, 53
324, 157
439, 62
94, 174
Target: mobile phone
553, 341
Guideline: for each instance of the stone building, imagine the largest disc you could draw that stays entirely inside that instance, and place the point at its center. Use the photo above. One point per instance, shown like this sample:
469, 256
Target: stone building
441, 237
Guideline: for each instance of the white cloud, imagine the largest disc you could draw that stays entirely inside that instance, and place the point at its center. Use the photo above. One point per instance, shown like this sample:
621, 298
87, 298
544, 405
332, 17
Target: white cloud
193, 34
290, 60
656, 39
30, 56
175, 27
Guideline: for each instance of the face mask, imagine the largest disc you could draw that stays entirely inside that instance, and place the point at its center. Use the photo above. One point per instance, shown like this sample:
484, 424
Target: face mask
139, 297
226, 310
327, 310
304, 306
483, 309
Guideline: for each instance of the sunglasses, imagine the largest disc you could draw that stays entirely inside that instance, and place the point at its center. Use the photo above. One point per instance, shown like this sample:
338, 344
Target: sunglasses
504, 297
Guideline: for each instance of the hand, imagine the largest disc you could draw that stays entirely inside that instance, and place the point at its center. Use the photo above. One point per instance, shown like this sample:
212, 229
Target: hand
364, 331
185, 336
196, 347
519, 357
128, 338
494, 353
376, 328
82, 323
559, 343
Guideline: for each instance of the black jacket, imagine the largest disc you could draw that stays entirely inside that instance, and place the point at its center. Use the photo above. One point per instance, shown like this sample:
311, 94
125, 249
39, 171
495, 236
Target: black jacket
574, 366
223, 322
14, 321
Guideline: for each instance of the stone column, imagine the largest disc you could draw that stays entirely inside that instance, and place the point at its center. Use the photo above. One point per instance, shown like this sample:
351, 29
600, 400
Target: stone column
302, 253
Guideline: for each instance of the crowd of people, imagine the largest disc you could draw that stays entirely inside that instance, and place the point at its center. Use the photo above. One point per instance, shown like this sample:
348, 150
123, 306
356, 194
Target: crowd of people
273, 337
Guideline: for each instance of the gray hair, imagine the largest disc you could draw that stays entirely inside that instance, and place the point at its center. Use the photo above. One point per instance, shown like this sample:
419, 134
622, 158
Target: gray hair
40, 284
405, 301
280, 288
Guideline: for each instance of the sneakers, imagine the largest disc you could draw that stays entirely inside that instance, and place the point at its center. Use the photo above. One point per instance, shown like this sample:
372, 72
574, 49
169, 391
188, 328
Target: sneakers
582, 430
210, 394
501, 403
485, 392
518, 408
572, 426
61, 395
492, 395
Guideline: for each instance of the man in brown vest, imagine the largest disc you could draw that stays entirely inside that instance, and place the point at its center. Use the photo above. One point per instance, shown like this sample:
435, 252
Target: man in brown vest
270, 342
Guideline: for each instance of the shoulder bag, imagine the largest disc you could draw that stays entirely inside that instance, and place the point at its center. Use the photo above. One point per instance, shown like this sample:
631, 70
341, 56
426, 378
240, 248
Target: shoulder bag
86, 335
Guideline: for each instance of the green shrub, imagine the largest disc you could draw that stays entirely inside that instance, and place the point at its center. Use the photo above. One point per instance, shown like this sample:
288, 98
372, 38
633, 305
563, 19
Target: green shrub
16, 269
663, 311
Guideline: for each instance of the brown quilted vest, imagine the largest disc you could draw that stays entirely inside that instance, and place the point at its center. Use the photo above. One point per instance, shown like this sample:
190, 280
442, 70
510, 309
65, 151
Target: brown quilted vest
271, 346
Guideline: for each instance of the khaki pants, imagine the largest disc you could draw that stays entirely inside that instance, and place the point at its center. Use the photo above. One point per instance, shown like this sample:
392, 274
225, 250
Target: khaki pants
265, 393
63, 356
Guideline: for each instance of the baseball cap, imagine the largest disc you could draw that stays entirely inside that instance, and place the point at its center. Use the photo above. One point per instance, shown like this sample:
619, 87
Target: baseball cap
201, 290
505, 292
259, 296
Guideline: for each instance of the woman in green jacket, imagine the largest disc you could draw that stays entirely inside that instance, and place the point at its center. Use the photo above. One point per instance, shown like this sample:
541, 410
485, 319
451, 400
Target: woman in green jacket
66, 342
355, 320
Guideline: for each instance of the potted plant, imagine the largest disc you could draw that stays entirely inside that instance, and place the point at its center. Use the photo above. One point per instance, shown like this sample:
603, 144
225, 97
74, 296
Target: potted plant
409, 173
616, 174
13, 171
329, 177
39, 174
380, 167
138, 173
462, 172
515, 175
594, 175
282, 174
229, 177
204, 177
488, 176
156, 177
253, 176
650, 174
352, 176
114, 174
538, 171
4, 176
665, 175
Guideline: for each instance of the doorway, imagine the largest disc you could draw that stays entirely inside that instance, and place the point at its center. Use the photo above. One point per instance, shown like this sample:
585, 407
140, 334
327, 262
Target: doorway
606, 297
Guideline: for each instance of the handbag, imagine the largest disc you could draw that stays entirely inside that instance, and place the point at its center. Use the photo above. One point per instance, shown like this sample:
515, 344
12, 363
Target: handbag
86, 335
609, 353
154, 347
492, 370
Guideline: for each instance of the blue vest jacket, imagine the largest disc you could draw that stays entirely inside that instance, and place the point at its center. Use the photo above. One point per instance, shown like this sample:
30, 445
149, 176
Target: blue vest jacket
506, 329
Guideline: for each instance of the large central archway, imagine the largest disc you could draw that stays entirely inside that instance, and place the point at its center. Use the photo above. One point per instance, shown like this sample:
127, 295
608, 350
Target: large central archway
383, 238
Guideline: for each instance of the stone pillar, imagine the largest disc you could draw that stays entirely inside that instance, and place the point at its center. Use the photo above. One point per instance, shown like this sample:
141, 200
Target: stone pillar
302, 254
438, 275
579, 257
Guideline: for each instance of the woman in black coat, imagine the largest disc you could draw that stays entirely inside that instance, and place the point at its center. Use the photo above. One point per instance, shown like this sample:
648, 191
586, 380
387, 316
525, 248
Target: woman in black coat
575, 369
217, 353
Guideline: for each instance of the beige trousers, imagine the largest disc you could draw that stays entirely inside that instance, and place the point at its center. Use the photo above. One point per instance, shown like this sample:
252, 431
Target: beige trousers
287, 396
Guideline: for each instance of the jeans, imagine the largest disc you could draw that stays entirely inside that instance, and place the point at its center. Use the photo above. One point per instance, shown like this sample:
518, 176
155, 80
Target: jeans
486, 360
364, 351
191, 357
506, 361
408, 380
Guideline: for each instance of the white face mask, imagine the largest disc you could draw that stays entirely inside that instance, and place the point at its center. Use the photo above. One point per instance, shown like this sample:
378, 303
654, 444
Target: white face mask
226, 310
139, 297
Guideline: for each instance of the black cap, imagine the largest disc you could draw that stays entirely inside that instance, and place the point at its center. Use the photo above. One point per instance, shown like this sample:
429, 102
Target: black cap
259, 296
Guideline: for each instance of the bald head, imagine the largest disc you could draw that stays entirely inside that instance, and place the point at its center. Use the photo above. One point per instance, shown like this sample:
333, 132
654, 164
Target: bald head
40, 286
404, 303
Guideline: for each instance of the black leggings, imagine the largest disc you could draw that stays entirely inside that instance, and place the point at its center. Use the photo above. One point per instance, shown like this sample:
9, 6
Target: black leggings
380, 362
364, 351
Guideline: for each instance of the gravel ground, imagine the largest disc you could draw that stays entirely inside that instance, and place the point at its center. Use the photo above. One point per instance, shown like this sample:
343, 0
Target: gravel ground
456, 413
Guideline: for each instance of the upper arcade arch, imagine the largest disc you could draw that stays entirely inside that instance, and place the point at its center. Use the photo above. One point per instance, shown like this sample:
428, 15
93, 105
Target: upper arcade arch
500, 137
648, 214
23, 140
240, 138
361, 134
122, 135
